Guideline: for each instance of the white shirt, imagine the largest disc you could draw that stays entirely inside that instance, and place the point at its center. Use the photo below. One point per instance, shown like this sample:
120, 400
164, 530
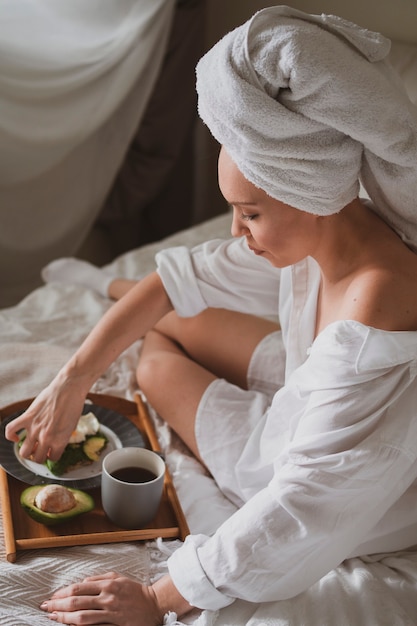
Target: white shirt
343, 479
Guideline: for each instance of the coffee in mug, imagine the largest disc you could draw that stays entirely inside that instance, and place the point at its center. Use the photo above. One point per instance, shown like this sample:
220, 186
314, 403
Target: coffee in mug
132, 482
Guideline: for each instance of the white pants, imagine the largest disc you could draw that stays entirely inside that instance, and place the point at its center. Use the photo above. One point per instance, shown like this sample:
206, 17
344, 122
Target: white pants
228, 414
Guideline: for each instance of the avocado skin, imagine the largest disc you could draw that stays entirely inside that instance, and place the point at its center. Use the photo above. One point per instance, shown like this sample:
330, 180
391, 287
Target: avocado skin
85, 503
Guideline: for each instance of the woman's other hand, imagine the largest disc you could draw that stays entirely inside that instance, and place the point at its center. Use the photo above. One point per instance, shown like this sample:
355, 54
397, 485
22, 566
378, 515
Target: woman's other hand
113, 599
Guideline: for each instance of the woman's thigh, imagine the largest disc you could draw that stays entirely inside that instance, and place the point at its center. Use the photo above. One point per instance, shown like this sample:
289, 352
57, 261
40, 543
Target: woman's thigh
173, 384
219, 340
181, 358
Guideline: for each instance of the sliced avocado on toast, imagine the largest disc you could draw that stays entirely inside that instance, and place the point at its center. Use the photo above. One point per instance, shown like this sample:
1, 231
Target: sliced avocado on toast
77, 454
94, 446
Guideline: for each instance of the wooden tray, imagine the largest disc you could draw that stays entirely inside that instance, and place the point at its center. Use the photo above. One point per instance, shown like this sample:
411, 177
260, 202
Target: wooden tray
21, 532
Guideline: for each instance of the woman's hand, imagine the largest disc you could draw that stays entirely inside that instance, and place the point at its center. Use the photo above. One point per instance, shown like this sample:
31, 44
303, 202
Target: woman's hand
50, 419
105, 599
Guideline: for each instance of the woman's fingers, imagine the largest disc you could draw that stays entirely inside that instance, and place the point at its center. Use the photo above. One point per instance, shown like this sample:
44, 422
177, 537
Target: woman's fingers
76, 604
89, 586
38, 450
48, 422
105, 599
106, 576
79, 618
13, 429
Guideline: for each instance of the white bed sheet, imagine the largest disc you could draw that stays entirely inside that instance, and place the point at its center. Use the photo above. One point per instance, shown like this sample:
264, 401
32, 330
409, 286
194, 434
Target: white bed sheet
36, 337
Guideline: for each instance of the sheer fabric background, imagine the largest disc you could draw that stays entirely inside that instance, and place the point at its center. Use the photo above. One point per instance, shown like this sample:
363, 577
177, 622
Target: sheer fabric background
75, 78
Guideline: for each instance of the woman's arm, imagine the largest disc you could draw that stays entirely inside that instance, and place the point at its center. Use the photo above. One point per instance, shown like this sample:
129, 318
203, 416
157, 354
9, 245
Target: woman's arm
53, 415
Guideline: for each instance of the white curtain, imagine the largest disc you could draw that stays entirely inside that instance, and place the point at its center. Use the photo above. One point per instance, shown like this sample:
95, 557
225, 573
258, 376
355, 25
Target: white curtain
75, 77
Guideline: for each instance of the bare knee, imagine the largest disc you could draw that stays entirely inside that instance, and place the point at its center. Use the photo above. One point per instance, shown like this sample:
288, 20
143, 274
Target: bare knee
150, 372
153, 368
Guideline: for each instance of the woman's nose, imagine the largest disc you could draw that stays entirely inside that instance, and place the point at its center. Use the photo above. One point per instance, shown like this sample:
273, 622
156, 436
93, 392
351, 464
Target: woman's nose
238, 229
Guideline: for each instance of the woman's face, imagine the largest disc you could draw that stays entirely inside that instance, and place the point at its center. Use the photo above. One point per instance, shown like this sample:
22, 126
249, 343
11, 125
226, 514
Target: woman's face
280, 233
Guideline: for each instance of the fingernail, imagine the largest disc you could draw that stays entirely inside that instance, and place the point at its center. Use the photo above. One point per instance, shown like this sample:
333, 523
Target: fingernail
53, 616
44, 606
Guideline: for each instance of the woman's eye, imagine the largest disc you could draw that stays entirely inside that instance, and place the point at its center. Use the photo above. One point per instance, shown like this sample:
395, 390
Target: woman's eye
248, 218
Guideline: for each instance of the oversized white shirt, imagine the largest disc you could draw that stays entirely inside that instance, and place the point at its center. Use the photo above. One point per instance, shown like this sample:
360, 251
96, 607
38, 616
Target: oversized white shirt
332, 471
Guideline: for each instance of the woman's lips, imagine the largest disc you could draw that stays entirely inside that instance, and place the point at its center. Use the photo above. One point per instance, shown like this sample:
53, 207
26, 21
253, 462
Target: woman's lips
255, 251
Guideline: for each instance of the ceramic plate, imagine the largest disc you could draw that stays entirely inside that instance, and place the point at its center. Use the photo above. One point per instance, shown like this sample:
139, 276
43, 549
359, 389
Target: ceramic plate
119, 430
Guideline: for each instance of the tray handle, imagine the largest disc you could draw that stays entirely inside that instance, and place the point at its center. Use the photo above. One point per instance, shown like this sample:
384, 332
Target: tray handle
9, 540
145, 419
153, 440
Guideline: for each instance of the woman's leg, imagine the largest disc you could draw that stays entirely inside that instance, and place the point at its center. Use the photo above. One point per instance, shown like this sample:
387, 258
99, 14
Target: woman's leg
182, 357
119, 287
220, 340
173, 384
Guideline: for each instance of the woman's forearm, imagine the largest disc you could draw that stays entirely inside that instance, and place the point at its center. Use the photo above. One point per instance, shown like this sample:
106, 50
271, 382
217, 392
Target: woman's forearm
53, 414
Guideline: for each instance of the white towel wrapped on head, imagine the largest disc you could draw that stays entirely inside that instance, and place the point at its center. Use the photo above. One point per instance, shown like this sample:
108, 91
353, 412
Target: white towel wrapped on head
307, 106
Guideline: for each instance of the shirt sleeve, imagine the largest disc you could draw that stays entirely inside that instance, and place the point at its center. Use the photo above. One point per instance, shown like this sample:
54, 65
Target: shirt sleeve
221, 274
347, 462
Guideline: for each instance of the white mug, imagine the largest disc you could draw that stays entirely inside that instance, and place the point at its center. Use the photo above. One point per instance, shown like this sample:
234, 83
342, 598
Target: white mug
132, 482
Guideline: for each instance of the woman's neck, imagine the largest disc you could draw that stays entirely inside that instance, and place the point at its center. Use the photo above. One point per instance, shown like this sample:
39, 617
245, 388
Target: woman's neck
367, 273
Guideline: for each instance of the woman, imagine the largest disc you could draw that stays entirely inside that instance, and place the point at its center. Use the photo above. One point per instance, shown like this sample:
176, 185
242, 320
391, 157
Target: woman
310, 430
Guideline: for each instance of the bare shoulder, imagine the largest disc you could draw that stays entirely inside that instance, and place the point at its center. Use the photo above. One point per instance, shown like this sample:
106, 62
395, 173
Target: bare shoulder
384, 295
370, 275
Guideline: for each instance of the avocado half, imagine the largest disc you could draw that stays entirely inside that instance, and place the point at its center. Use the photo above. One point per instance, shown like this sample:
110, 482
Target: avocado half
84, 503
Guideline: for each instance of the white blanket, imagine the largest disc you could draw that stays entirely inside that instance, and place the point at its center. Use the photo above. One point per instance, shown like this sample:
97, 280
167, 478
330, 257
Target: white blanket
36, 337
